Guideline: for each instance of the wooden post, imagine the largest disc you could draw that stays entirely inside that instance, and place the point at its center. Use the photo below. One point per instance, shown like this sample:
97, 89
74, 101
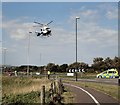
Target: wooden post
118, 81
60, 86
51, 91
54, 87
43, 95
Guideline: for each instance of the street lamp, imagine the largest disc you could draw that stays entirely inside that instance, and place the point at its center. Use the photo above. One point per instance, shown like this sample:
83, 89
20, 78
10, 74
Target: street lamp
76, 45
28, 58
4, 57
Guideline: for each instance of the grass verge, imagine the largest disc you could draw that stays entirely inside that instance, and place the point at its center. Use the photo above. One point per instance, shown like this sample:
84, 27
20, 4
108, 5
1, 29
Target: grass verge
19, 85
22, 89
68, 96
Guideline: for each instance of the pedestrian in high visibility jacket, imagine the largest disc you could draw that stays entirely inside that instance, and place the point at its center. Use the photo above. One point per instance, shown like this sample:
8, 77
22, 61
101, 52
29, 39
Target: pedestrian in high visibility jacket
48, 74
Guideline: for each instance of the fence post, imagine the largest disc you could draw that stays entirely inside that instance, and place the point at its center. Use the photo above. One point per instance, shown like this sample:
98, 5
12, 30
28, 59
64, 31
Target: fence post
43, 95
51, 91
119, 81
54, 87
60, 86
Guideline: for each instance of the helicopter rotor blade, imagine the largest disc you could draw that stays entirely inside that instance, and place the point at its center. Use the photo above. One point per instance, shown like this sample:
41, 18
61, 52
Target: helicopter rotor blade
38, 23
37, 26
50, 22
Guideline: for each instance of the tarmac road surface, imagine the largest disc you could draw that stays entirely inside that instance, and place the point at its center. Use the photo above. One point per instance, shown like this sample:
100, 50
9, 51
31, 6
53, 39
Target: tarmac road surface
98, 80
88, 96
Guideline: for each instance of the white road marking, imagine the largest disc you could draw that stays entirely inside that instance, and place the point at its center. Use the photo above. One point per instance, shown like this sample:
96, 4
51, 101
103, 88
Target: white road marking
85, 92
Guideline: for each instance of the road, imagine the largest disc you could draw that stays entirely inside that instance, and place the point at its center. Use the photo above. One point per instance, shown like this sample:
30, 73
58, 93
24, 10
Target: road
98, 80
112, 81
88, 96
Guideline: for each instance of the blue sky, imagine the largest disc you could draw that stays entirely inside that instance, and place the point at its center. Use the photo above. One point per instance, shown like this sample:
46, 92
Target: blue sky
60, 0
97, 31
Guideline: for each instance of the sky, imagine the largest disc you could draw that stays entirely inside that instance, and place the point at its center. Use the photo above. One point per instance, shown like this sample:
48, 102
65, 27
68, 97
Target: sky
97, 32
60, 0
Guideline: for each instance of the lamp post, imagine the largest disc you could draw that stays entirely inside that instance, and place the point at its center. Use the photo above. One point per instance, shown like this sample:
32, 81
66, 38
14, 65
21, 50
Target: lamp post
28, 58
4, 58
76, 46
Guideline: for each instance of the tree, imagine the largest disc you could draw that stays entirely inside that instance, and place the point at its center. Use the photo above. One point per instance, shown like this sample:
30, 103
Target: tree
41, 69
50, 66
73, 65
116, 63
63, 67
97, 60
78, 65
98, 64
108, 63
83, 65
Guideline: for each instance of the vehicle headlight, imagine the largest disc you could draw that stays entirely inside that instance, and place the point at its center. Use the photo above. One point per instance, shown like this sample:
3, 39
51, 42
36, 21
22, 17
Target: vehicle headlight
98, 75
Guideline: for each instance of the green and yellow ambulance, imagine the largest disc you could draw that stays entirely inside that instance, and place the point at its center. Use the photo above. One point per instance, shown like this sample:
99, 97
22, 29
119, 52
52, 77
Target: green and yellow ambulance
110, 73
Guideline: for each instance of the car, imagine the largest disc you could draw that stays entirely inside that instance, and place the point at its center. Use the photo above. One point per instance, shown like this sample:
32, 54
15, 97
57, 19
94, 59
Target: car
110, 73
37, 73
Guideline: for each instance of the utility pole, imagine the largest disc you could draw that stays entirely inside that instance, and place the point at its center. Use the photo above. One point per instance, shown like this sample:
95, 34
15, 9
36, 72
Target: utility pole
28, 57
76, 47
4, 57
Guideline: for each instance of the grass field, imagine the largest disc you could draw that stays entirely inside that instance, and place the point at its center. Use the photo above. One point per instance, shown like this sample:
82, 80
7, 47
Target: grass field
79, 75
68, 96
22, 89
27, 89
18, 85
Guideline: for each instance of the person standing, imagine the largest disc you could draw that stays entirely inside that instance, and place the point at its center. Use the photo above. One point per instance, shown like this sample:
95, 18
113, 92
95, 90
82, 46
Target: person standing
48, 74
15, 73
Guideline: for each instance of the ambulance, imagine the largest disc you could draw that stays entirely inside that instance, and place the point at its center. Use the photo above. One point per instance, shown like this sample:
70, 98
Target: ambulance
110, 73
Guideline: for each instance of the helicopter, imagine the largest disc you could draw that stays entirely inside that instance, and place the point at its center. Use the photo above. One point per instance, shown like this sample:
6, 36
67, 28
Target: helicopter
45, 30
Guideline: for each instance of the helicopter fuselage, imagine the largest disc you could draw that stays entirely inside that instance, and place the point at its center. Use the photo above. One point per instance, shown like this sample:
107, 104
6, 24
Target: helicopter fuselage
45, 30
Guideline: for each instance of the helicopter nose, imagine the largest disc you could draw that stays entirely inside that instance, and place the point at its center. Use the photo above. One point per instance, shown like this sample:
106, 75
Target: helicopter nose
48, 29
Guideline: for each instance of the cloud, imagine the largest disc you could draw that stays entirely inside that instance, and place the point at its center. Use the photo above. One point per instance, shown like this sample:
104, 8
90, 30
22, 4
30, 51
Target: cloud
1, 18
89, 12
90, 33
109, 10
98, 36
60, 46
112, 14
89, 15
16, 29
90, 29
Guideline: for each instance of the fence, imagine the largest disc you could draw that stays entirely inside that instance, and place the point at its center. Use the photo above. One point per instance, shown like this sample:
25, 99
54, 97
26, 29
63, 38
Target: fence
55, 92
